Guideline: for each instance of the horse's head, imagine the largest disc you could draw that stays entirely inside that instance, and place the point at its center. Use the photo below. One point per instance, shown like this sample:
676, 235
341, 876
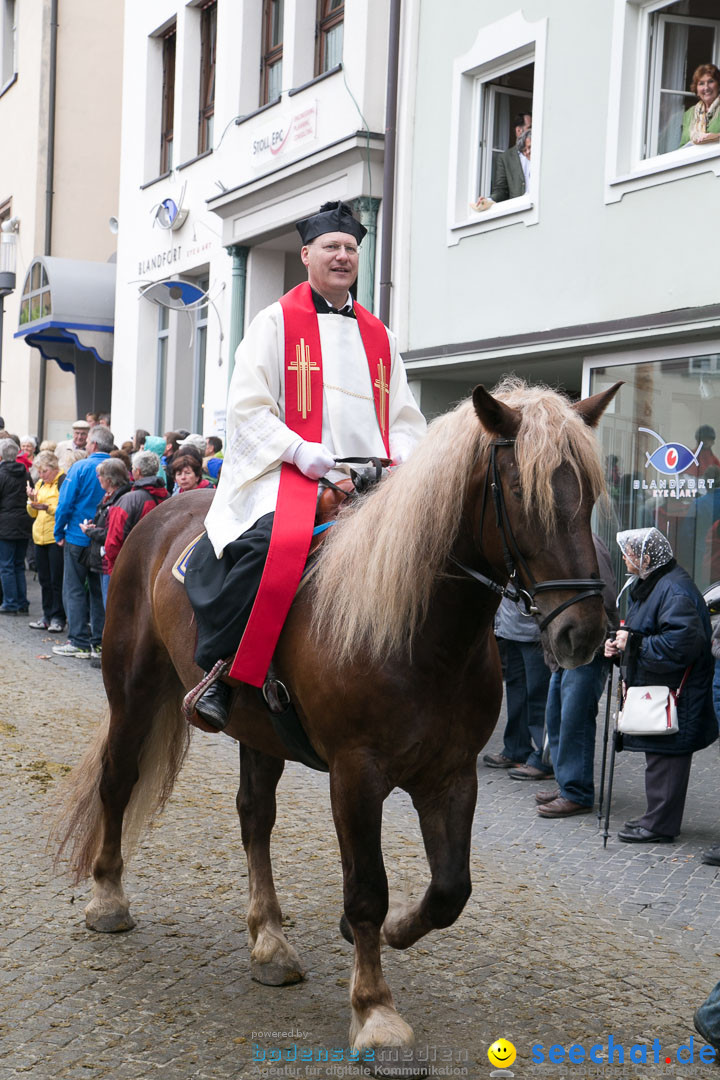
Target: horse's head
535, 488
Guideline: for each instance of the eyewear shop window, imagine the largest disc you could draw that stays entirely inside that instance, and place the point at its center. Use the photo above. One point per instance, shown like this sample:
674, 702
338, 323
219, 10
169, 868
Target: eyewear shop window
658, 443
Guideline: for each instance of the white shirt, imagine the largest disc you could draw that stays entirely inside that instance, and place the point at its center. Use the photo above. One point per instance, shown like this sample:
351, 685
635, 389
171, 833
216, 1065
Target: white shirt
525, 162
257, 436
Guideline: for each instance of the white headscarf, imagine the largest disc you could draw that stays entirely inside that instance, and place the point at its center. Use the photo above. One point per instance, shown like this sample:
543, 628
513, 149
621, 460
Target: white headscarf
646, 549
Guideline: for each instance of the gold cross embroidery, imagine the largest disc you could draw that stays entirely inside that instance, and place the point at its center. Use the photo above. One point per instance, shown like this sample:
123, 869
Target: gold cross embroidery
302, 367
383, 386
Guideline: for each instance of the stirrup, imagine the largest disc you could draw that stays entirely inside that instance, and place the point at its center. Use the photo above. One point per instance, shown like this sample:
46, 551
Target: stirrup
276, 695
193, 696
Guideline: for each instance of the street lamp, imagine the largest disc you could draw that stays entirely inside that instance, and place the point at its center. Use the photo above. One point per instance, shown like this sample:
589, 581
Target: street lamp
8, 257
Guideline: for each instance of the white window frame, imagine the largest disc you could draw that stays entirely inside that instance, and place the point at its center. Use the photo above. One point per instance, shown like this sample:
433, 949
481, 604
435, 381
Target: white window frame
632, 95
8, 44
162, 354
655, 73
502, 47
688, 350
200, 358
488, 105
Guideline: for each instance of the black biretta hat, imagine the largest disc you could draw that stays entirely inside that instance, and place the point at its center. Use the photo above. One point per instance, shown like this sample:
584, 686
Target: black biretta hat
331, 217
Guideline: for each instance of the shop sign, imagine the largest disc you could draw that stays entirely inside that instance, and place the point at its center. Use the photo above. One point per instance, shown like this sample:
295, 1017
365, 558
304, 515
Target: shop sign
671, 459
286, 134
676, 488
160, 261
168, 215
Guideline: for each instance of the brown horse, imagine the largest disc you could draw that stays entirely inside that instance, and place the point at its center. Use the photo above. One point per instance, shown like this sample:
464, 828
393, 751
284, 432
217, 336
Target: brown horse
392, 664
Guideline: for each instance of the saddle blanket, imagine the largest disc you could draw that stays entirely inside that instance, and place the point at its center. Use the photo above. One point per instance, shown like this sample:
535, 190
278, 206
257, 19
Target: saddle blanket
180, 565
178, 570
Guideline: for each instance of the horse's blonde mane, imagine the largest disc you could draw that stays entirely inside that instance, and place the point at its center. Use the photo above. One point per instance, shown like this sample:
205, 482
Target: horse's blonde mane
381, 561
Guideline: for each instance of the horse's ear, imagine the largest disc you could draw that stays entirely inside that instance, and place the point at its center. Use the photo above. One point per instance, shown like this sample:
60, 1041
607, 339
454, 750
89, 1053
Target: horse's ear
496, 417
592, 408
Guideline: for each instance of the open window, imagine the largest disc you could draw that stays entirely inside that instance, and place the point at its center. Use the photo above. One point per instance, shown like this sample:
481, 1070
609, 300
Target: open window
682, 36
497, 97
657, 46
505, 108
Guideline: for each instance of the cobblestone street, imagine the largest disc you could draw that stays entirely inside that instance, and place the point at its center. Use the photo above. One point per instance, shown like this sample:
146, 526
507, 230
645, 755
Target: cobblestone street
562, 941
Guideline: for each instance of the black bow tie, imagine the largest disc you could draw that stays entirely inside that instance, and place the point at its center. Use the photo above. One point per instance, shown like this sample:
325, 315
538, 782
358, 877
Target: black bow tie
323, 307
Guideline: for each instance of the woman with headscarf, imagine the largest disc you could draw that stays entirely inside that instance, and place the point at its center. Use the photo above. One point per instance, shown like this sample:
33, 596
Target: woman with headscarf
665, 639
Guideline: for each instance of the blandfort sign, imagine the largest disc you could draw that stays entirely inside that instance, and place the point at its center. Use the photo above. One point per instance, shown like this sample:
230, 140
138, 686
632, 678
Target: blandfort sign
160, 261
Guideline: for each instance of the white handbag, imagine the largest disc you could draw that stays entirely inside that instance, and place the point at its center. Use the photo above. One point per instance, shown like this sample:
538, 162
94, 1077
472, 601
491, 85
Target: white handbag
650, 710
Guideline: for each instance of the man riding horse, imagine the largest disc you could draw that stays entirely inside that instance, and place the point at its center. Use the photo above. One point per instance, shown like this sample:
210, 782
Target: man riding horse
316, 378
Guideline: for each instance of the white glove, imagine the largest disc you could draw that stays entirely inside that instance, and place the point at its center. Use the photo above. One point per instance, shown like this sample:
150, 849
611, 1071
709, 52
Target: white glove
313, 459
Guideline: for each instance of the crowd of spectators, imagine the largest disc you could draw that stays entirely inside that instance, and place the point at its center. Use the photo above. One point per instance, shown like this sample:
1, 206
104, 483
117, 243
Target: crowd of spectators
67, 508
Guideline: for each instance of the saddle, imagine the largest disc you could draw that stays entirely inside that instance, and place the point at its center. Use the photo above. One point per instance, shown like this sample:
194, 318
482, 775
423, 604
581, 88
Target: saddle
274, 694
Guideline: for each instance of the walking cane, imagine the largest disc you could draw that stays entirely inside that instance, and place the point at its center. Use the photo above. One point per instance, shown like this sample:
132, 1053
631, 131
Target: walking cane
608, 706
611, 773
615, 739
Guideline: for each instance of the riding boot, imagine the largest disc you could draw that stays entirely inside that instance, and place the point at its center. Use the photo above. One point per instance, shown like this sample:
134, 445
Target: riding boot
214, 705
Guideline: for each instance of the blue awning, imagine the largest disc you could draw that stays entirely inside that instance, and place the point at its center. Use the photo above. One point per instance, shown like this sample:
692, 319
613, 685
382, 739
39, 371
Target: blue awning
67, 308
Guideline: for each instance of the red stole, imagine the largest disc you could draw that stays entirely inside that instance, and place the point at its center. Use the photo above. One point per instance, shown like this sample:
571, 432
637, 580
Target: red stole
295, 510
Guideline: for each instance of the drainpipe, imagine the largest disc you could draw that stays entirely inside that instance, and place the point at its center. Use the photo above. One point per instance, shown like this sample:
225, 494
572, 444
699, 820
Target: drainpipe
366, 209
386, 235
239, 254
49, 182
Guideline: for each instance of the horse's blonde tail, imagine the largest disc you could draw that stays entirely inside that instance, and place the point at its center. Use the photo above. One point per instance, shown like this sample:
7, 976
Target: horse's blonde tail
77, 829
77, 834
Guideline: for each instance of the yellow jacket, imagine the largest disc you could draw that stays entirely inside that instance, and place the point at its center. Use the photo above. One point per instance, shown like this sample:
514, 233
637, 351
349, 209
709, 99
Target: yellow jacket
44, 523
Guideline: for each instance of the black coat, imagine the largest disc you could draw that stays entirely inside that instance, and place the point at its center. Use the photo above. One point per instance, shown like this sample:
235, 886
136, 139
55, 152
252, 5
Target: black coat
15, 522
670, 629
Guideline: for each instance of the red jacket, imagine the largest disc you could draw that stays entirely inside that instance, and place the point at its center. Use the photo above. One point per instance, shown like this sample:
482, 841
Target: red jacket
147, 492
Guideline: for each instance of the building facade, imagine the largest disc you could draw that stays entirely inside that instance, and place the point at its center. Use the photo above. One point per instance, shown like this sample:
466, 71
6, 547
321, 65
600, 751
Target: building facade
60, 115
591, 270
239, 118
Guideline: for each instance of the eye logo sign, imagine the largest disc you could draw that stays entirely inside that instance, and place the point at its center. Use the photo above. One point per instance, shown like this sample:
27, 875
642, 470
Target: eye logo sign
670, 458
170, 215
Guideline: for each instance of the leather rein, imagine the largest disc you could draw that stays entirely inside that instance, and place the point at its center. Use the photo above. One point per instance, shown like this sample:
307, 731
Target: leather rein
514, 559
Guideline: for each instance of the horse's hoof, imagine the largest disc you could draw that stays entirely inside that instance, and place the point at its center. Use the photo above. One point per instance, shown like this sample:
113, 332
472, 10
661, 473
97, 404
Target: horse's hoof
276, 973
346, 930
383, 1030
107, 921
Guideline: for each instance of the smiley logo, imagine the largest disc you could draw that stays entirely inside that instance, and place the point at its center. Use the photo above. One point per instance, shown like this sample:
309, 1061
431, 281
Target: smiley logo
502, 1054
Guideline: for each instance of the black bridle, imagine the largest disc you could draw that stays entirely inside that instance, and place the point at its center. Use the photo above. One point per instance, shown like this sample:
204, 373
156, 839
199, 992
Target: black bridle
514, 559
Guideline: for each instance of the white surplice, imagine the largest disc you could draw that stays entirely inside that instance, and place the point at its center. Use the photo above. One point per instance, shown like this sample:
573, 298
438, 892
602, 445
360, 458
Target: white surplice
257, 436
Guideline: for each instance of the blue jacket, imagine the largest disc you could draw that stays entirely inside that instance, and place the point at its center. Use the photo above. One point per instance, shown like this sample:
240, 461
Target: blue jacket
673, 630
79, 497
